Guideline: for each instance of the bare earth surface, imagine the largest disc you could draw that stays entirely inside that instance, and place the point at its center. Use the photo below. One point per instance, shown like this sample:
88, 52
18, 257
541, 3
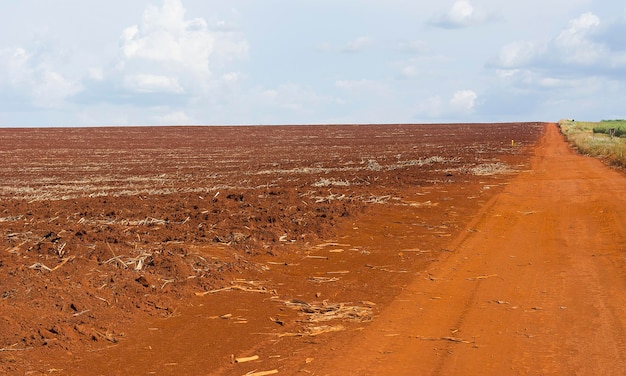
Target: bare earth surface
356, 250
536, 285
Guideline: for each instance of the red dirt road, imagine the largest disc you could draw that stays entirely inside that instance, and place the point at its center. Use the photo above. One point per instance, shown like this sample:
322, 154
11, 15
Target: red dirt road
535, 286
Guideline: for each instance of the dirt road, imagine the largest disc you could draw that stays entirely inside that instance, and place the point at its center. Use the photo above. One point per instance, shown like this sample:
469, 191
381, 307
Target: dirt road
535, 286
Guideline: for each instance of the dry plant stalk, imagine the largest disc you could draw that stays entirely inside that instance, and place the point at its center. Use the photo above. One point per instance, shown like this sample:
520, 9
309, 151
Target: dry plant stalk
17, 247
246, 359
262, 373
324, 311
137, 263
239, 287
40, 266
312, 331
13, 348
331, 244
323, 279
449, 339
481, 277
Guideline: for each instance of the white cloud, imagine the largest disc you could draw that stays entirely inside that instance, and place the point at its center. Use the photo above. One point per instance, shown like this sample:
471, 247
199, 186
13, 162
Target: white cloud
578, 28
411, 67
35, 77
461, 103
96, 74
432, 107
166, 37
409, 71
462, 14
51, 89
150, 83
325, 47
293, 97
564, 73
577, 49
519, 53
179, 61
357, 45
417, 46
175, 118
295, 103
166, 54
574, 42
421, 65
18, 66
463, 100
354, 46
528, 80
363, 86
231, 76
167, 44
185, 69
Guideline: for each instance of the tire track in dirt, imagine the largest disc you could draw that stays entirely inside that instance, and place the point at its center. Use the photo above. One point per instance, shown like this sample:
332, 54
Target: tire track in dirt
536, 288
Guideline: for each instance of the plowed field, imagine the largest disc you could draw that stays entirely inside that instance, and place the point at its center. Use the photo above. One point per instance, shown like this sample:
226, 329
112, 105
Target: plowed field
186, 250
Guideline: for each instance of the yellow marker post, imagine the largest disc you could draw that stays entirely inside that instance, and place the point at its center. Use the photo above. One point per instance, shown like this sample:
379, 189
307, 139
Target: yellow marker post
512, 142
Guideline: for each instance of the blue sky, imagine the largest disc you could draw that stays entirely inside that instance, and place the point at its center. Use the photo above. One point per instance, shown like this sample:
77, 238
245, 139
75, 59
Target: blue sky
85, 63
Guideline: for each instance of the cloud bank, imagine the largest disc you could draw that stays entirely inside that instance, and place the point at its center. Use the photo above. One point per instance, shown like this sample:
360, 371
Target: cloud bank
240, 62
584, 45
169, 54
462, 14
30, 78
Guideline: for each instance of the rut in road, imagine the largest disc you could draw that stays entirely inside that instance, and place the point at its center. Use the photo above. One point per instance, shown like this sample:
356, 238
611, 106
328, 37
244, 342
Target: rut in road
535, 286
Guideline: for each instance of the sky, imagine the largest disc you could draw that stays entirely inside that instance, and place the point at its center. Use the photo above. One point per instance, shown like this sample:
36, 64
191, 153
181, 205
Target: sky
206, 62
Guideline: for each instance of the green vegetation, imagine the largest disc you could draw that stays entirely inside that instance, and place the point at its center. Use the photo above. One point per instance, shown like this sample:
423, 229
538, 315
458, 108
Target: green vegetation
606, 125
592, 138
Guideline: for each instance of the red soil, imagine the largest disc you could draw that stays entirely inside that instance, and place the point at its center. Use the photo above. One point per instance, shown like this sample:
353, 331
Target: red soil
407, 249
